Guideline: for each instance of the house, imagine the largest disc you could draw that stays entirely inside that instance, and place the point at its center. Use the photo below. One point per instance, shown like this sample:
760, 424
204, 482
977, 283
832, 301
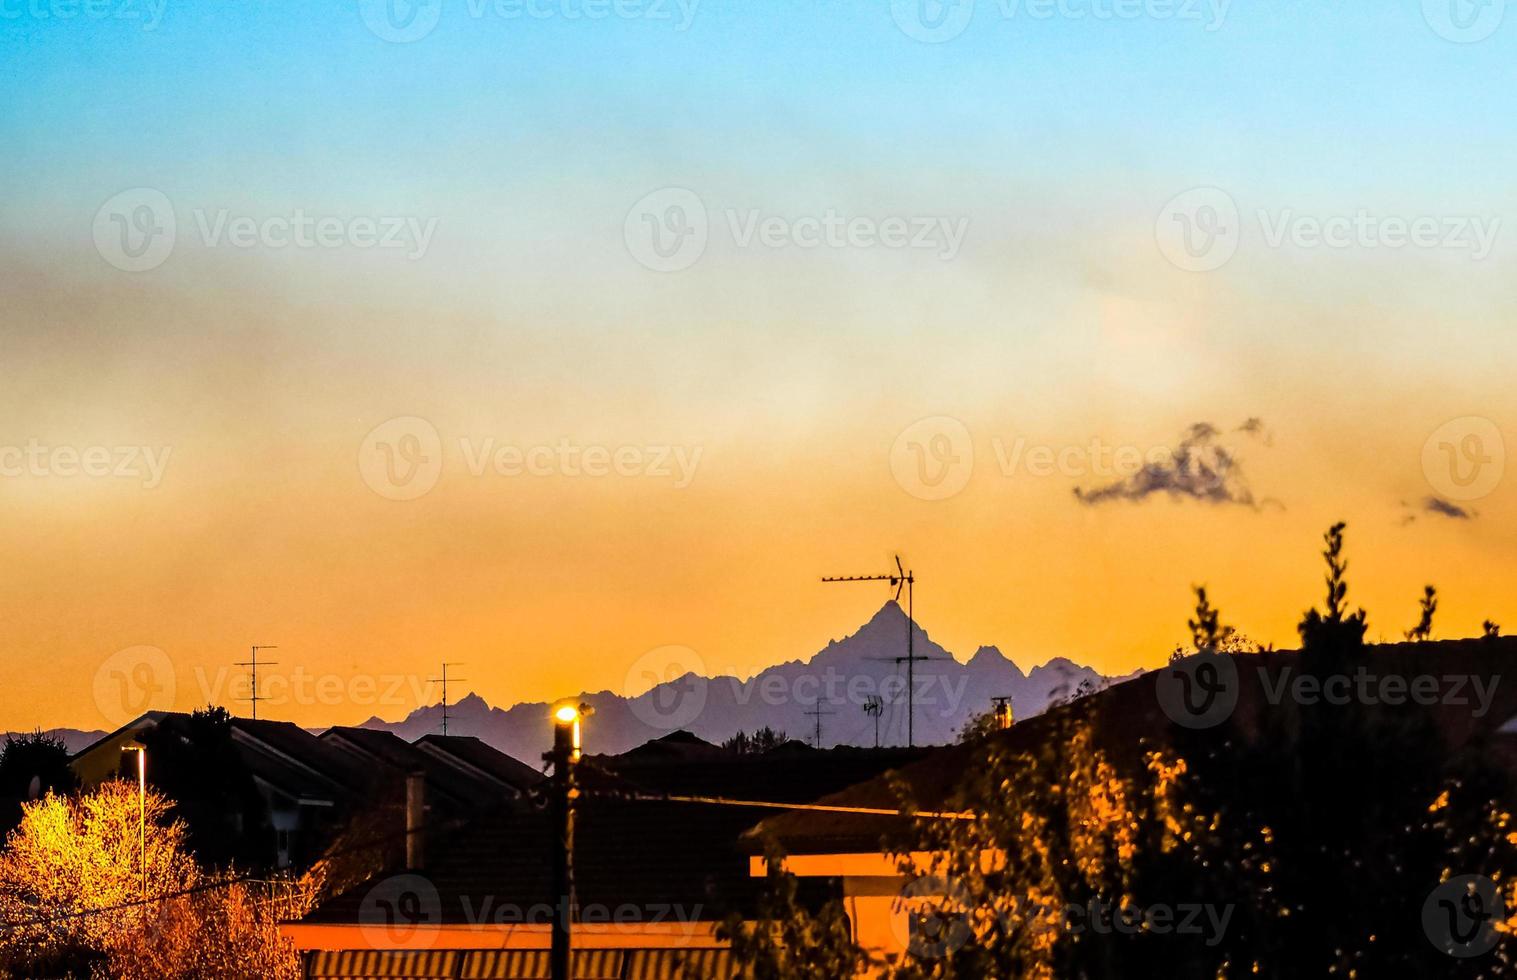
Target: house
656, 877
309, 787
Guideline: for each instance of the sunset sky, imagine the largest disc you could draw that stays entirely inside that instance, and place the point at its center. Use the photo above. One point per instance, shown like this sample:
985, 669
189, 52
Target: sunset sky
757, 404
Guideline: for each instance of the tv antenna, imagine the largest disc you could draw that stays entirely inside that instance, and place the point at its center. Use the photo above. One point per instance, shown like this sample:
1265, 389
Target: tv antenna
901, 579
817, 713
252, 665
874, 706
444, 680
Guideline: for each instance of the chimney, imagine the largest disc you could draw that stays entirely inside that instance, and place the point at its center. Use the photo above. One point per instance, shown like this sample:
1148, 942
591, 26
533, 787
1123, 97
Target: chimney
416, 808
1003, 715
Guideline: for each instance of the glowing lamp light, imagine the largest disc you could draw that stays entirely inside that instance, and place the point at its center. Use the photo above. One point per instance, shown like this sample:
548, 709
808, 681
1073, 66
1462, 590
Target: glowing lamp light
568, 713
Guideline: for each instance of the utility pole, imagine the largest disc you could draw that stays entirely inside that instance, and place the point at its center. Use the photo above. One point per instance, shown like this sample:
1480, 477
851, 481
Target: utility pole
901, 579
444, 680
563, 796
817, 713
874, 706
252, 666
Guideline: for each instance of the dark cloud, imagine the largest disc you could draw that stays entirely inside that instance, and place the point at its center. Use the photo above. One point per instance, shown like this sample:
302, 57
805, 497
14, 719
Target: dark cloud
1444, 508
1199, 468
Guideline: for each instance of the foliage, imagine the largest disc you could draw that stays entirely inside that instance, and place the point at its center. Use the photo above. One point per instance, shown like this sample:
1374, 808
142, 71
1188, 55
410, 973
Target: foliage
31, 766
1334, 627
197, 764
1423, 631
758, 743
81, 894
1490, 629
791, 938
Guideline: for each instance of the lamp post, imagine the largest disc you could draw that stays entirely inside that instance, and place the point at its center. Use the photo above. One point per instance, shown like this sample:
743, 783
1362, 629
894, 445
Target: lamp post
564, 794
141, 751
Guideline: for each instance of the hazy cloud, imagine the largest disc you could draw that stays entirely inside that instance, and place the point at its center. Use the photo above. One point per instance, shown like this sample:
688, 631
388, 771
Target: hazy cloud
1444, 508
1199, 468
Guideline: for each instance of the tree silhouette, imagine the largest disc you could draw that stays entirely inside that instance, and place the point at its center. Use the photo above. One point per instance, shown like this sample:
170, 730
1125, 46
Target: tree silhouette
1335, 627
1423, 631
31, 766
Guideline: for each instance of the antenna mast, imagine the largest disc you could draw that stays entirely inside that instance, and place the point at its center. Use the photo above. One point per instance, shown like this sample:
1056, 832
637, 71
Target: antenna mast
874, 706
444, 680
901, 579
817, 713
252, 666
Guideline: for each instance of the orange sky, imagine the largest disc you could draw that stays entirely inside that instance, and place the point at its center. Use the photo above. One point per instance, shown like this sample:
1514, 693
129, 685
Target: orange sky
265, 528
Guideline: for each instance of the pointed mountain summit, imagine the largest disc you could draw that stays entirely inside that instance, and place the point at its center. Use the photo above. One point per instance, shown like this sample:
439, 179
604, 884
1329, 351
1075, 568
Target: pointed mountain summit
841, 678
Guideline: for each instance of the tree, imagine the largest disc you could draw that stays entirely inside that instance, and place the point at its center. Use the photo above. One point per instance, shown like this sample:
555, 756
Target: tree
1490, 629
196, 763
80, 895
1206, 630
31, 766
1335, 627
758, 743
1423, 631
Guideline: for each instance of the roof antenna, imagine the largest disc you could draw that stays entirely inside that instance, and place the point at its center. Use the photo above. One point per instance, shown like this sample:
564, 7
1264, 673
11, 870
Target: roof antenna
817, 713
444, 679
874, 706
252, 666
901, 579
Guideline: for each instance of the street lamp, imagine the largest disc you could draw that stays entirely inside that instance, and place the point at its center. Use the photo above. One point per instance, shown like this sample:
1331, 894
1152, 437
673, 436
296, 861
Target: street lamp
563, 794
141, 751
